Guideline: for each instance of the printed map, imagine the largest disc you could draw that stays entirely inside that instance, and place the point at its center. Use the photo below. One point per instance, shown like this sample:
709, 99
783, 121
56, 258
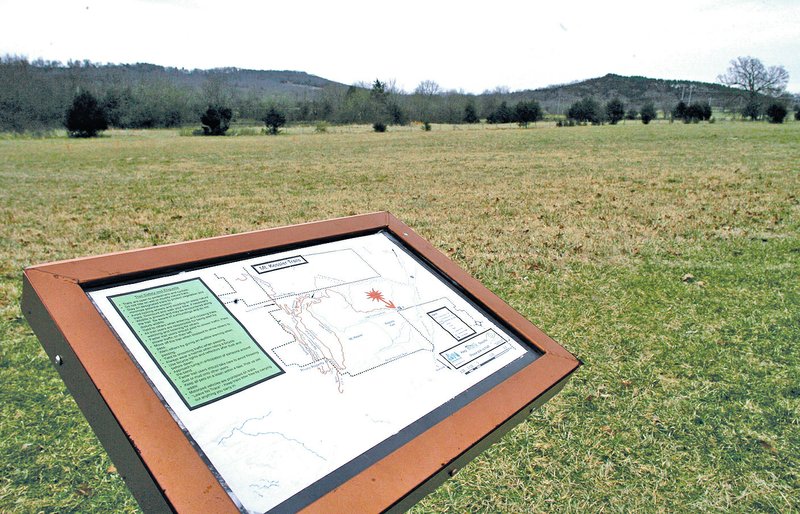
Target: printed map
284, 368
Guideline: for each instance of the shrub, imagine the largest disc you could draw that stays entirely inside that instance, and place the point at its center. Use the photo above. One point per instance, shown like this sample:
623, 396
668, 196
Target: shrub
585, 110
706, 111
471, 114
648, 112
501, 115
426, 126
527, 112
752, 109
85, 117
321, 127
797, 112
379, 126
274, 120
693, 114
632, 114
698, 112
216, 120
776, 112
615, 110
679, 112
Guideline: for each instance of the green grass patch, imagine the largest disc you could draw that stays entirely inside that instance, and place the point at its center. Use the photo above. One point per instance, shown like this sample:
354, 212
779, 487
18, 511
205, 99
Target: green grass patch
689, 399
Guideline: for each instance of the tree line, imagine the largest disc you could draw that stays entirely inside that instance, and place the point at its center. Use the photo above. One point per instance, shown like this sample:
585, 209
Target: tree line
44, 95
36, 96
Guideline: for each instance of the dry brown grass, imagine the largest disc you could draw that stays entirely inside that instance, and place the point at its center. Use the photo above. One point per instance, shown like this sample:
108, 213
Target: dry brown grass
689, 399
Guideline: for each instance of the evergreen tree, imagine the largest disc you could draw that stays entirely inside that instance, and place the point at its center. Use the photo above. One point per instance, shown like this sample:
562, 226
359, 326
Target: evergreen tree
706, 111
527, 112
378, 91
694, 113
85, 117
648, 112
680, 111
752, 109
470, 113
615, 110
274, 120
776, 112
502, 114
216, 120
585, 110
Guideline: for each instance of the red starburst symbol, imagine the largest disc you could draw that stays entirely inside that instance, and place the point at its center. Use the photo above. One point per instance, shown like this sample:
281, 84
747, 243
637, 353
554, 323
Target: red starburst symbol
377, 296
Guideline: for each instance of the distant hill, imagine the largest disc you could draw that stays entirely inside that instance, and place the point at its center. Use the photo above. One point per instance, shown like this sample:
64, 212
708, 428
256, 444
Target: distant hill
261, 82
35, 95
633, 91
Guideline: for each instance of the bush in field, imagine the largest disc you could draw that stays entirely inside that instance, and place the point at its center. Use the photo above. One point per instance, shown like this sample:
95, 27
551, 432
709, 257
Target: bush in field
426, 126
632, 114
707, 112
797, 112
586, 110
216, 120
698, 111
752, 109
648, 112
503, 114
379, 126
680, 110
615, 110
471, 113
85, 117
527, 112
776, 112
694, 113
274, 120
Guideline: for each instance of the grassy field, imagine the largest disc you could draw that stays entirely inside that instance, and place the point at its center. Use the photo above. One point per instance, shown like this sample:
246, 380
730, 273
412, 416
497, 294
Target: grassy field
666, 257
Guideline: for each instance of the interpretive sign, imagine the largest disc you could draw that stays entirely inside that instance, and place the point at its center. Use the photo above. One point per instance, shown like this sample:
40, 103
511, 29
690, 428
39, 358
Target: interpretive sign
336, 366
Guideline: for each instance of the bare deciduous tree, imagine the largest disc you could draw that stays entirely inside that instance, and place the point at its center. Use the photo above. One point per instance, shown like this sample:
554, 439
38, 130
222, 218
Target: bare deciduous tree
428, 88
750, 74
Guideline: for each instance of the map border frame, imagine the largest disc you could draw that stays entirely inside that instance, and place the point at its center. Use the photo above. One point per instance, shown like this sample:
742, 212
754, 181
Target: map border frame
163, 469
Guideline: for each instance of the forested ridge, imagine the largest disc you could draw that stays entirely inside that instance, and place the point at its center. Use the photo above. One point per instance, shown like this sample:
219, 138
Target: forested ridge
35, 95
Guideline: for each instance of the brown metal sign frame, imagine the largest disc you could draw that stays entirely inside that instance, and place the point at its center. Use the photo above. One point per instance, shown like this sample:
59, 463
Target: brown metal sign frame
161, 467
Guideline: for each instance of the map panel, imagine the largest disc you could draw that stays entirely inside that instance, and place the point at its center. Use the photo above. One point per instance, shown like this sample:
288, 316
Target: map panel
325, 352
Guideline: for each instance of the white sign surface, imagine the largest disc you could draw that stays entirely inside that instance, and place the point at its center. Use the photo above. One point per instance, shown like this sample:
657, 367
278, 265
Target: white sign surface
284, 368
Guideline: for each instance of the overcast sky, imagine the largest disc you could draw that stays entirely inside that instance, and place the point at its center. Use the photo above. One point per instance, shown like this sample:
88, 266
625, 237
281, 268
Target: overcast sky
461, 45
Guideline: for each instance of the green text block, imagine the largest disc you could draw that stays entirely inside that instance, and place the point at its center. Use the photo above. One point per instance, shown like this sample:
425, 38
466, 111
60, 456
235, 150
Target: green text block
196, 342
